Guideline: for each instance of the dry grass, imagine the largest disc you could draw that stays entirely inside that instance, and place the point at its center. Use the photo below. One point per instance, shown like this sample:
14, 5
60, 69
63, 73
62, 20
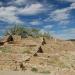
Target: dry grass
56, 55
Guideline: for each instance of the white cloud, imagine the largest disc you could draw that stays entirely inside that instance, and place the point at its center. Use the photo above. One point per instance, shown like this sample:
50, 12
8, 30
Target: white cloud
32, 9
72, 6
42, 31
62, 15
48, 26
35, 22
67, 0
65, 34
47, 29
1, 3
19, 2
70, 31
8, 14
70, 0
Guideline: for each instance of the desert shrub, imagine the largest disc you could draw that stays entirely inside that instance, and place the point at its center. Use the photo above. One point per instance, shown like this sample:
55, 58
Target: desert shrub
27, 51
46, 34
25, 31
34, 69
46, 72
34, 32
17, 30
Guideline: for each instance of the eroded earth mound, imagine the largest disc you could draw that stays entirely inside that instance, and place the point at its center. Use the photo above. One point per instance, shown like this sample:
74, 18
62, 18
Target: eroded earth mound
44, 55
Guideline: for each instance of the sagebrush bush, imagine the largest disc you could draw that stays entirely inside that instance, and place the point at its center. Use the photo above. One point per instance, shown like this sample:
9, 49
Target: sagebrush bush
25, 32
34, 69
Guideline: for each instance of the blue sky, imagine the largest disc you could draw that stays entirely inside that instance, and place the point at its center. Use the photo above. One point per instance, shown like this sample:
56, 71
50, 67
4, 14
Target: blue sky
54, 16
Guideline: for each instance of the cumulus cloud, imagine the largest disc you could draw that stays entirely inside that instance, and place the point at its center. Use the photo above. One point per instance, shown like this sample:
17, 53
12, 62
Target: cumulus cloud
32, 9
72, 6
67, 0
68, 33
8, 14
70, 0
36, 22
20, 2
62, 15
1, 3
48, 26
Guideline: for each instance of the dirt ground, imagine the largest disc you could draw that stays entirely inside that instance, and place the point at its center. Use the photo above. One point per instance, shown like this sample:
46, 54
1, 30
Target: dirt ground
34, 73
52, 57
20, 73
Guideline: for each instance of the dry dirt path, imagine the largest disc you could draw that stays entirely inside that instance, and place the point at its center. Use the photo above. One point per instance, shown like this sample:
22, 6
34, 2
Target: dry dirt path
20, 73
34, 73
